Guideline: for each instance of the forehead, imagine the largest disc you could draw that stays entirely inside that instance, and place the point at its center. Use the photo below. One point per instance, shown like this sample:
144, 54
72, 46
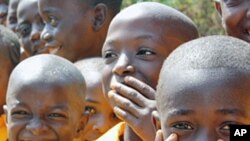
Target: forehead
40, 92
221, 87
25, 6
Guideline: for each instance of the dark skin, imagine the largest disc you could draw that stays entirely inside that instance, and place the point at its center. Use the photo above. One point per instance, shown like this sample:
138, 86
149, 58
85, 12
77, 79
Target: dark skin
12, 15
7, 67
46, 104
77, 19
101, 115
132, 48
29, 28
3, 11
185, 119
235, 17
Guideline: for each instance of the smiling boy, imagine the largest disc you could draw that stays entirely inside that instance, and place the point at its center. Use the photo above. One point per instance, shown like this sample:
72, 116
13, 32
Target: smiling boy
139, 39
76, 29
45, 100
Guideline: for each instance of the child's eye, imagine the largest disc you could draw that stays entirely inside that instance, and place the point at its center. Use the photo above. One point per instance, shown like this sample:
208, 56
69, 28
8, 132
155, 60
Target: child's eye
90, 110
24, 30
183, 126
145, 52
20, 114
109, 54
12, 20
52, 21
56, 115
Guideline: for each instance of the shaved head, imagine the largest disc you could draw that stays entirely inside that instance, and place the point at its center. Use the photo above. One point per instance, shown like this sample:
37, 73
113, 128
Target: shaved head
212, 58
45, 71
170, 18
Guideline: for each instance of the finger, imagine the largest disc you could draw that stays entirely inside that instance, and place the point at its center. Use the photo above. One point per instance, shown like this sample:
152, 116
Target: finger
140, 86
159, 136
130, 93
172, 137
124, 104
124, 115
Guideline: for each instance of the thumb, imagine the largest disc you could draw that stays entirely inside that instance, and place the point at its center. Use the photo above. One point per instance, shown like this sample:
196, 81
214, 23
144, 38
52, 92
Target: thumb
172, 137
159, 136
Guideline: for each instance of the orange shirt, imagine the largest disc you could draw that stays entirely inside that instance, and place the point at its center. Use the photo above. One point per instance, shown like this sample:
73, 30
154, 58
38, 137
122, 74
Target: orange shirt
3, 129
114, 133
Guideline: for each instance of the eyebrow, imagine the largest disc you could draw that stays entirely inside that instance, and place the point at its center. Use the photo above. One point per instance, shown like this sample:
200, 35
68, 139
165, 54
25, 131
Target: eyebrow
180, 112
92, 101
144, 37
236, 112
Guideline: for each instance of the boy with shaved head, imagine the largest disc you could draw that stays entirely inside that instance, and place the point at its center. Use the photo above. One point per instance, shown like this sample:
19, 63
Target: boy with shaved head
9, 58
207, 77
139, 39
76, 29
45, 100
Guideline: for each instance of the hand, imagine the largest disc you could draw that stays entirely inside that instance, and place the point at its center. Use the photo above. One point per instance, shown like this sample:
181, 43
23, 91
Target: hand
159, 136
134, 103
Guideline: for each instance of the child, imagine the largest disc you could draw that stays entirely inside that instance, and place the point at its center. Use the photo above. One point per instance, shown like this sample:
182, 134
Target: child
3, 11
204, 87
76, 29
29, 28
45, 100
101, 114
12, 15
139, 39
9, 58
235, 17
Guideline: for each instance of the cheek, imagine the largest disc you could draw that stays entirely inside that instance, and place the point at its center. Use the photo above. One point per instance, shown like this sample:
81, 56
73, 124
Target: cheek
106, 79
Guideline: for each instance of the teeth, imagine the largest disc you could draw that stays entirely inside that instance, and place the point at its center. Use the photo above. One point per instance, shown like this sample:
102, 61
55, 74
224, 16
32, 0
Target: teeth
53, 50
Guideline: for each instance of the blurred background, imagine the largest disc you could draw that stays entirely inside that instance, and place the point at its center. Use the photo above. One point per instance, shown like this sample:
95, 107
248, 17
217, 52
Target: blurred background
202, 12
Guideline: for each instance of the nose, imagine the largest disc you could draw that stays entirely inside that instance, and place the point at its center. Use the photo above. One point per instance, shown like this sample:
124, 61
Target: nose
35, 34
123, 66
207, 135
36, 126
46, 35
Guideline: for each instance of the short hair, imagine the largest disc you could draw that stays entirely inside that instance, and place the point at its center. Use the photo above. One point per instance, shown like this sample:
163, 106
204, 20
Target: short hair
9, 41
46, 69
212, 52
167, 16
113, 5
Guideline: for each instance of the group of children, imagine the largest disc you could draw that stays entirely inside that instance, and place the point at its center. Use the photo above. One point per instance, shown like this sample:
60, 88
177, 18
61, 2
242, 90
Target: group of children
89, 72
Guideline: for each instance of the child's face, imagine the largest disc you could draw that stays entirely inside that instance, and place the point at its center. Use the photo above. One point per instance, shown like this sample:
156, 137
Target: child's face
235, 17
4, 77
43, 113
68, 27
29, 28
12, 15
101, 114
201, 104
133, 48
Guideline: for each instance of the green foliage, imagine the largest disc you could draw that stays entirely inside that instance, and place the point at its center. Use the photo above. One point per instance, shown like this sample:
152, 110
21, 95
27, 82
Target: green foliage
202, 12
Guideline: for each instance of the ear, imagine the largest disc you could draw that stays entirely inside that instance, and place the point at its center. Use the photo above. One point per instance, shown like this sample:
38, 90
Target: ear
217, 5
5, 108
156, 120
83, 122
100, 16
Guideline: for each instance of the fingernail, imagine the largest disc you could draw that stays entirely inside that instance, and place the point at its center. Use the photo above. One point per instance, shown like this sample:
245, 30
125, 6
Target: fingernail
127, 78
172, 136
